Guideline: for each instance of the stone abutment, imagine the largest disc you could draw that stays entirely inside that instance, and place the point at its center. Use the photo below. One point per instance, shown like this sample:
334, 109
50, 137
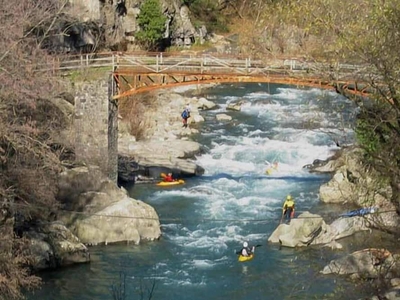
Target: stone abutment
96, 126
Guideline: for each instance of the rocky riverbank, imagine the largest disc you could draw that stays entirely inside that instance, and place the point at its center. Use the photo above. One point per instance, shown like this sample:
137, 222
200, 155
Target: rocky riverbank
353, 185
167, 147
96, 211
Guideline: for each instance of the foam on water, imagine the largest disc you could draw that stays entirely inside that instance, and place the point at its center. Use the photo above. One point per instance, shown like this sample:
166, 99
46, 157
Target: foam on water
205, 221
235, 186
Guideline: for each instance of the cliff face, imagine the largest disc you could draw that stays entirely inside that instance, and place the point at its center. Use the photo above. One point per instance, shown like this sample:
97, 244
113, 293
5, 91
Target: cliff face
118, 20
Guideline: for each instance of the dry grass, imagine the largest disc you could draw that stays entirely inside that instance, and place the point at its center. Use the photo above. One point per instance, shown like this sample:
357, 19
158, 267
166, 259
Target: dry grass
133, 110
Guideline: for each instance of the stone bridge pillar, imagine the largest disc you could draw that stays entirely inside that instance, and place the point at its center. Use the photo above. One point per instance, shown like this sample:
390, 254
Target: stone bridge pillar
96, 126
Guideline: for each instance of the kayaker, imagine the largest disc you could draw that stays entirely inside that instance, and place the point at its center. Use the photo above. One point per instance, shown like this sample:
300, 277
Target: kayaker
288, 208
169, 178
246, 250
271, 167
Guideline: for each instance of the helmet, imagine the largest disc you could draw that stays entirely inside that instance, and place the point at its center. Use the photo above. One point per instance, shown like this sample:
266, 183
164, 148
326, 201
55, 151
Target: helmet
245, 244
289, 197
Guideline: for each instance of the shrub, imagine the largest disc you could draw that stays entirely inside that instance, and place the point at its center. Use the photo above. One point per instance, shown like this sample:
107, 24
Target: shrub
152, 25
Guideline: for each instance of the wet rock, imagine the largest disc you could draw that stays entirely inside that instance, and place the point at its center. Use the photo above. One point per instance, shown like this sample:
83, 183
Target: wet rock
53, 245
223, 117
98, 212
367, 263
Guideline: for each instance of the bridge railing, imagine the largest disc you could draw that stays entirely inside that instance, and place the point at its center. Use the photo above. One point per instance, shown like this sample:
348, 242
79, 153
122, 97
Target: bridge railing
187, 63
200, 64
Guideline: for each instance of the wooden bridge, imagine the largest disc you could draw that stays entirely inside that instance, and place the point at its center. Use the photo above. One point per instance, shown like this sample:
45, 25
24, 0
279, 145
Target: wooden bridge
96, 117
141, 72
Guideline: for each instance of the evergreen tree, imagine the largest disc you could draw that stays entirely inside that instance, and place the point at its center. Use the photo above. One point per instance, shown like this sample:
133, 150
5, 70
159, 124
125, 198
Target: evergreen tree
152, 25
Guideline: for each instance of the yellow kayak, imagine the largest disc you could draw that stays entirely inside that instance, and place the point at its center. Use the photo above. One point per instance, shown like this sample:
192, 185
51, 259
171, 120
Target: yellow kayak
242, 258
269, 171
168, 183
271, 168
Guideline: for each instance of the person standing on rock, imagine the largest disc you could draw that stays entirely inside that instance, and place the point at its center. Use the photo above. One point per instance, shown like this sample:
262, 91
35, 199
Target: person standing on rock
185, 115
288, 209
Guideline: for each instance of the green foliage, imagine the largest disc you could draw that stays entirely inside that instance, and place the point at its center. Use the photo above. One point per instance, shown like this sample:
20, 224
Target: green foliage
207, 12
152, 25
188, 2
378, 133
367, 137
370, 40
87, 74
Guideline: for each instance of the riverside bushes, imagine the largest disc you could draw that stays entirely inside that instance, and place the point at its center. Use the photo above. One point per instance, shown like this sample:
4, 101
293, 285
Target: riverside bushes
28, 162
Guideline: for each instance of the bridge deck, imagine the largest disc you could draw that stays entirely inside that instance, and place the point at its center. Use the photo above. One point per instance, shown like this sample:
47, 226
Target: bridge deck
140, 72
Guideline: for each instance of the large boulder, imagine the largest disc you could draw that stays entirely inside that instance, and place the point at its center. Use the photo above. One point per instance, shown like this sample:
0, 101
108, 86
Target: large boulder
163, 121
126, 220
339, 189
353, 182
311, 229
203, 103
237, 106
223, 117
98, 212
344, 227
149, 157
300, 232
66, 34
164, 146
53, 245
367, 263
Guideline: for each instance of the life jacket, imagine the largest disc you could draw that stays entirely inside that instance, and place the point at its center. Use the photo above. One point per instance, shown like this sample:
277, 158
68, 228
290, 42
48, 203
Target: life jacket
288, 204
246, 251
168, 178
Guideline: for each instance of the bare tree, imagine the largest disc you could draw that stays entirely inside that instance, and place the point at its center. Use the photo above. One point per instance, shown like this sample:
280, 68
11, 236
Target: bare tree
28, 163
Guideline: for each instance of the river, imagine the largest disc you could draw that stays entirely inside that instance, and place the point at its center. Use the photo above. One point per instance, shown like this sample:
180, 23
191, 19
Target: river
207, 219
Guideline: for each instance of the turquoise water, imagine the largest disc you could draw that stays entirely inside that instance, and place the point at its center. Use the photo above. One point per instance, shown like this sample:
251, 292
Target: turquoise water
206, 220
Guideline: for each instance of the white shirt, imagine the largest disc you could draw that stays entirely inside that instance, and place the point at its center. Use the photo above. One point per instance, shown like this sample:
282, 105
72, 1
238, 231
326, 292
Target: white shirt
245, 253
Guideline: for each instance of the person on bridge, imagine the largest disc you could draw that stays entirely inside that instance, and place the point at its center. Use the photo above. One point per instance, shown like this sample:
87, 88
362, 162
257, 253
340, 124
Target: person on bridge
185, 115
288, 209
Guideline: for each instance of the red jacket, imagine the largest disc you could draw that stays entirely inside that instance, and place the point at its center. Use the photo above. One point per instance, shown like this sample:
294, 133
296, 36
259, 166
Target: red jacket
168, 178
